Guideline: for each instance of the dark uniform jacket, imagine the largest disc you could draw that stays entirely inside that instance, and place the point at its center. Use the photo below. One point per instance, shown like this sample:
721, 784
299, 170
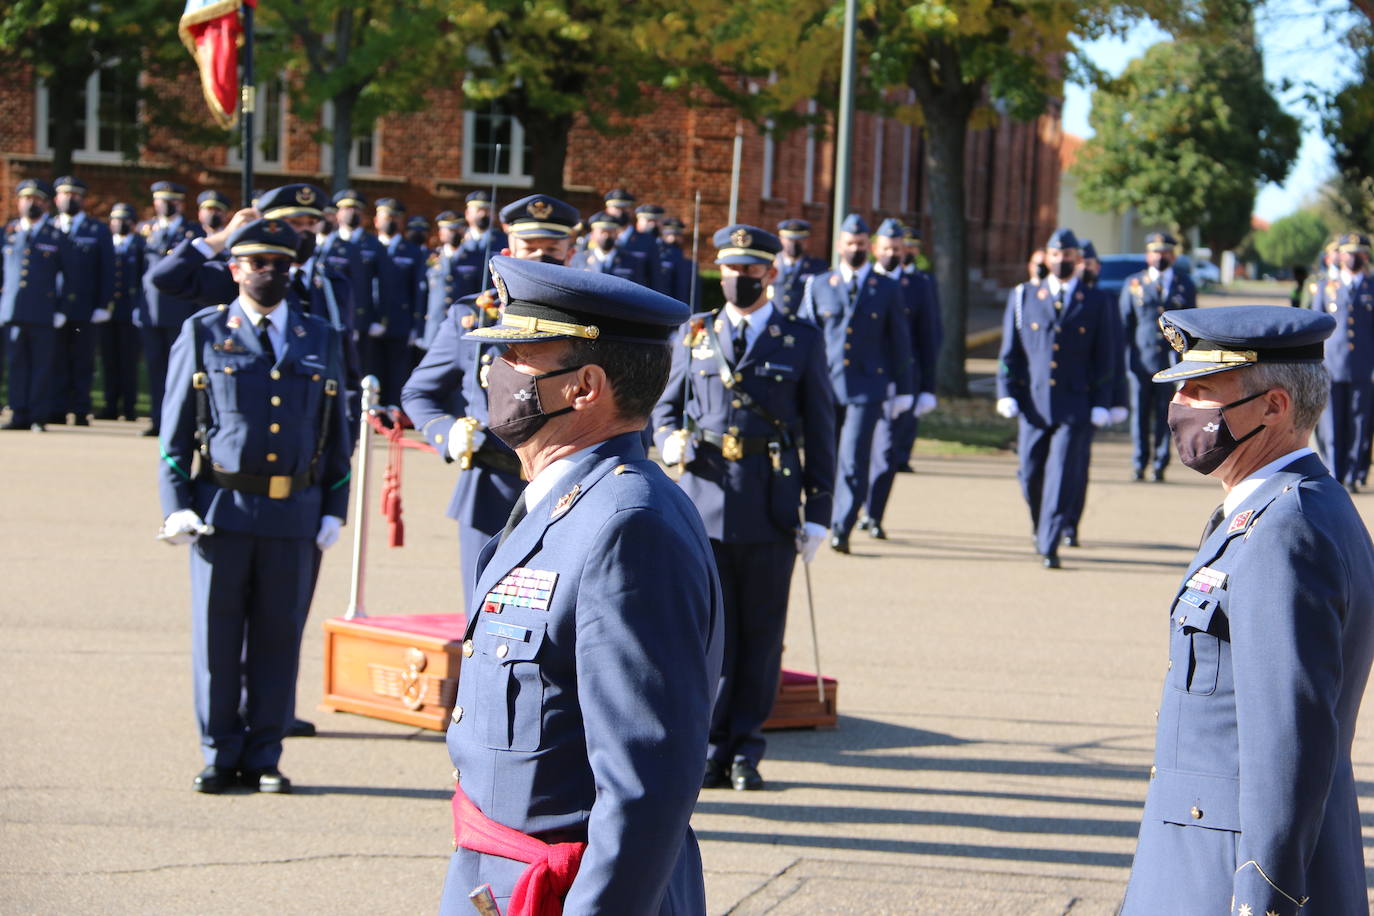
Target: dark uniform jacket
398, 286
790, 285
1350, 349
128, 278
33, 264
89, 285
1141, 304
617, 263
868, 341
161, 310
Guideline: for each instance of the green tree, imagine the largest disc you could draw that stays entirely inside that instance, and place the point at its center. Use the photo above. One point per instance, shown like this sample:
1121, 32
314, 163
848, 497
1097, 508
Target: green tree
1348, 122
1297, 239
1187, 135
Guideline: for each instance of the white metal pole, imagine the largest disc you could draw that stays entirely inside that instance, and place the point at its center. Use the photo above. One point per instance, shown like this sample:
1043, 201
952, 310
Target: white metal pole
362, 499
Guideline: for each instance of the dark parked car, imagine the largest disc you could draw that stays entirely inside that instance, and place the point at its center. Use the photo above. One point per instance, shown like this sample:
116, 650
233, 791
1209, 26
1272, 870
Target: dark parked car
1117, 267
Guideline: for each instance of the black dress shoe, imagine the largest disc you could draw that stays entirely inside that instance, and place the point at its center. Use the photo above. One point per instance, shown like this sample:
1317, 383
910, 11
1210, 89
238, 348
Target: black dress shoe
151, 431
715, 776
1070, 540
876, 532
1157, 475
213, 780
905, 469
864, 523
268, 779
1138, 476
299, 728
57, 419
839, 542
744, 776
81, 420
107, 413
1353, 487
16, 424
1050, 561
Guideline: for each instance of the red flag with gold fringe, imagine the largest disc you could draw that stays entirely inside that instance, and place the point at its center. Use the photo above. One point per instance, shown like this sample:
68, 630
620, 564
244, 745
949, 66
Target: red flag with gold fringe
211, 31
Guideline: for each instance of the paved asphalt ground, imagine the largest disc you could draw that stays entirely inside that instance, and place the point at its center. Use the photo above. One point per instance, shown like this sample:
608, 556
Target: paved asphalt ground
992, 755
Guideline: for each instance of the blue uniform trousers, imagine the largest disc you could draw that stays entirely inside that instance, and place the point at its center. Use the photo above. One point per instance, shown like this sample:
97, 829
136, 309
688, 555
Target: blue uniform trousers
29, 354
249, 599
1149, 418
387, 358
73, 369
1073, 510
1344, 429
157, 347
755, 580
856, 423
119, 347
892, 444
1053, 475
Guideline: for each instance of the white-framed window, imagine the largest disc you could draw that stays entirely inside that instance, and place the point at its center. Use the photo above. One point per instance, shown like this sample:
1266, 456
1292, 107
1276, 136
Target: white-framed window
770, 160
878, 124
809, 172
483, 131
365, 157
107, 119
269, 129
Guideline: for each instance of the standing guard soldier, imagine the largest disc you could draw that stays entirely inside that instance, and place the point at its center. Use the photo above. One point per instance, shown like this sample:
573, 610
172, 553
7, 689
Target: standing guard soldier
1055, 374
640, 240
1147, 295
446, 396
677, 270
417, 233
605, 256
119, 343
350, 238
37, 257
748, 387
795, 266
86, 291
212, 211
442, 278
254, 387
480, 242
930, 338
619, 205
162, 315
872, 367
398, 300
1253, 801
1345, 428
584, 704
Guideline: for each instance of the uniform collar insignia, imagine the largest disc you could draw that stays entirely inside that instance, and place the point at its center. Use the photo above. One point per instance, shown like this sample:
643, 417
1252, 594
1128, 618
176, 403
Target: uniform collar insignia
565, 501
1240, 521
234, 322
300, 331
774, 330
788, 340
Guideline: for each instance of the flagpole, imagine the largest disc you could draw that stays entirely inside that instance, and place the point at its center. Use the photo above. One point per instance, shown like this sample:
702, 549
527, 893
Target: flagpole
247, 103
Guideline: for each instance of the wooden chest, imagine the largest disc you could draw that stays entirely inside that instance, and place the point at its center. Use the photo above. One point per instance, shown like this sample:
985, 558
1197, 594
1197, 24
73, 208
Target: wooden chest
799, 705
398, 667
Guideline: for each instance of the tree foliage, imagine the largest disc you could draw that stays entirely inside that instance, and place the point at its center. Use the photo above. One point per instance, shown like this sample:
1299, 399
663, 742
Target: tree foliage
1186, 136
1348, 122
1297, 239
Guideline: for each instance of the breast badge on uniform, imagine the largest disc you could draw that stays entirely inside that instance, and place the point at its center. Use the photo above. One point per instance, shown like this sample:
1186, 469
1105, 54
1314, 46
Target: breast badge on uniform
789, 341
234, 322
1042, 294
834, 279
774, 330
1206, 580
299, 331
565, 501
522, 587
1240, 521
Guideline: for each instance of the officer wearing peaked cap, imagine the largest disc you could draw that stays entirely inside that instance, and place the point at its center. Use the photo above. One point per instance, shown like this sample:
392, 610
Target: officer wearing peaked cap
566, 729
398, 303
481, 240
640, 240
1252, 803
254, 388
748, 396
1144, 298
85, 292
604, 255
443, 282
36, 257
872, 367
1055, 373
119, 343
1345, 428
930, 337
795, 266
212, 210
162, 314
678, 272
347, 243
446, 396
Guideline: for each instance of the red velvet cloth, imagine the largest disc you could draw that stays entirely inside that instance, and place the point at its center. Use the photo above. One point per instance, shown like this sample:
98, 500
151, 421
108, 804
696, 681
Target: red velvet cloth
449, 627
552, 868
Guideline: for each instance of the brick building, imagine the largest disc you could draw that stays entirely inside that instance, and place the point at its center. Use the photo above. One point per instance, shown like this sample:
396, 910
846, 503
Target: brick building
432, 159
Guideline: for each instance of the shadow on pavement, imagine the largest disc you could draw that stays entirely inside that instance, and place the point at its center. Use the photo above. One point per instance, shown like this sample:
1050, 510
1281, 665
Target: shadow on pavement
912, 847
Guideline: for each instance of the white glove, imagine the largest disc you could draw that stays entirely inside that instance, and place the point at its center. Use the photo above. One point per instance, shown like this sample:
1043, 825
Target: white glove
678, 449
411, 338
100, 316
58, 319
1119, 415
901, 404
329, 531
183, 526
376, 329
925, 403
461, 440
1101, 416
1008, 408
809, 540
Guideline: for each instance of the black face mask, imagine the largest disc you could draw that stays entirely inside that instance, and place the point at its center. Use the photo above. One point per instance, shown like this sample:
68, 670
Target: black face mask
1089, 277
1066, 268
71, 207
1203, 436
391, 227
741, 291
513, 410
351, 220
482, 223
121, 227
550, 259
908, 258
167, 209
214, 219
607, 243
1164, 263
890, 263
267, 287
1042, 271
305, 247
856, 259
792, 248
33, 212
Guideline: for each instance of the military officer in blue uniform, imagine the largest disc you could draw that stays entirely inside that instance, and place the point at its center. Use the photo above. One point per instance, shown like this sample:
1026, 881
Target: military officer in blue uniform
119, 342
1147, 295
605, 256
619, 204
443, 281
446, 396
212, 211
678, 272
417, 233
161, 315
641, 240
749, 387
398, 300
795, 266
1252, 804
1055, 374
35, 260
595, 639
930, 338
86, 291
895, 435
1345, 426
255, 388
349, 237
872, 366
480, 241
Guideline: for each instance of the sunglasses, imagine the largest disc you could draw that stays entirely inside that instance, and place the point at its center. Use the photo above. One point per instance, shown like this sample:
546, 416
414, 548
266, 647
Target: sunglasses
266, 262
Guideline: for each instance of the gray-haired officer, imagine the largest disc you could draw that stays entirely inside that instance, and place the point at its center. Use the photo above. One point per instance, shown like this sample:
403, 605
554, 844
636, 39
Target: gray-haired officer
795, 266
605, 256
119, 343
1055, 374
162, 315
36, 257
1144, 298
748, 387
255, 389
595, 637
872, 366
1345, 427
86, 291
1252, 806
